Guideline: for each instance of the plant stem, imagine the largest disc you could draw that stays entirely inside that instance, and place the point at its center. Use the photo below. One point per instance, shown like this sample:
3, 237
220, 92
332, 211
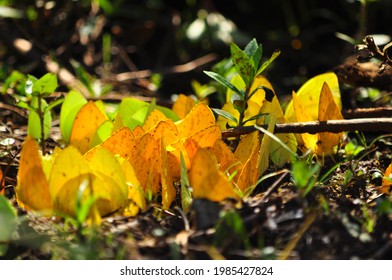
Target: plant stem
362, 19
242, 114
334, 126
41, 121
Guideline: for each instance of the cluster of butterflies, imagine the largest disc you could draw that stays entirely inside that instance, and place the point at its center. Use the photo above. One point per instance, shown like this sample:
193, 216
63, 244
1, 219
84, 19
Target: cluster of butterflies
119, 162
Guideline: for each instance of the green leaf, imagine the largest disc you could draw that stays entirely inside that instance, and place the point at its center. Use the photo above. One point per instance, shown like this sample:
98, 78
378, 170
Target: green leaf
186, 195
268, 62
304, 175
83, 209
8, 219
255, 117
133, 112
225, 114
152, 107
23, 105
254, 51
12, 80
72, 104
223, 81
231, 227
168, 113
103, 132
8, 222
55, 103
251, 47
83, 76
34, 123
46, 85
243, 64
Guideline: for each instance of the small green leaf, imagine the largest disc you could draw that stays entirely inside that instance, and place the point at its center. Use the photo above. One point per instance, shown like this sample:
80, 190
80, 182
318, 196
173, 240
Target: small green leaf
46, 85
83, 76
72, 104
8, 222
254, 51
243, 64
103, 132
225, 114
168, 113
8, 219
83, 209
268, 62
251, 47
186, 195
133, 112
152, 107
223, 81
12, 80
255, 117
34, 123
231, 227
23, 105
55, 103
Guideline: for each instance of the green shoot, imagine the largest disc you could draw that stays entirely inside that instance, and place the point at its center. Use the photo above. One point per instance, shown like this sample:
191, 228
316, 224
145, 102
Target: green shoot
247, 64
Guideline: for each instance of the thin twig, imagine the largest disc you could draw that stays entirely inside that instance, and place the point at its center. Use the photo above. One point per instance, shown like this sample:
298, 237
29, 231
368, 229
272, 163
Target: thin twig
335, 126
189, 66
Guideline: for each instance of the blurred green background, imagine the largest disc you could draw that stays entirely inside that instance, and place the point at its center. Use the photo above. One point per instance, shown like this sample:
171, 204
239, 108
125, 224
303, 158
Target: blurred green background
96, 39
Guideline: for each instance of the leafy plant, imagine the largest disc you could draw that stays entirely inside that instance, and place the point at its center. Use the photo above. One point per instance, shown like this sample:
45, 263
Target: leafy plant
305, 175
231, 231
8, 222
247, 64
35, 92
